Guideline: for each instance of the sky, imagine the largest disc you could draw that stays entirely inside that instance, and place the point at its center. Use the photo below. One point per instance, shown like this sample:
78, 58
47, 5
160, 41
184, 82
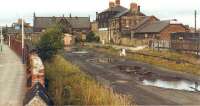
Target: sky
11, 10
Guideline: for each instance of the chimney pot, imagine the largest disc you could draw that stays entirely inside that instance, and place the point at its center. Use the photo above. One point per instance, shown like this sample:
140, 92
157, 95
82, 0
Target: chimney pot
117, 2
111, 4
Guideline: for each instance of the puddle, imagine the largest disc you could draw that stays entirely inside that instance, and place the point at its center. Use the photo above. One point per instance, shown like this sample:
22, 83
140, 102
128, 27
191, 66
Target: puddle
128, 69
80, 52
101, 60
177, 85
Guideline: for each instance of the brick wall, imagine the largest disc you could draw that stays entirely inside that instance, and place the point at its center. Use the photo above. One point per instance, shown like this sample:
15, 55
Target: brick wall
166, 33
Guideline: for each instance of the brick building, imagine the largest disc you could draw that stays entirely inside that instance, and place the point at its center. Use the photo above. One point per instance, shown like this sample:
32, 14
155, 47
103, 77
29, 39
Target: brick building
132, 23
159, 30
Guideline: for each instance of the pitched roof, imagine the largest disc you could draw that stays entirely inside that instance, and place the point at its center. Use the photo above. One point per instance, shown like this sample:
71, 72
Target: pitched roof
121, 13
143, 22
79, 22
116, 8
125, 12
76, 22
38, 90
154, 27
13, 30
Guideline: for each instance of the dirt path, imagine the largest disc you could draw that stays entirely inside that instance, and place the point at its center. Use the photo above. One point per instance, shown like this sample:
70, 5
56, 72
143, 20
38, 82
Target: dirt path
12, 78
129, 84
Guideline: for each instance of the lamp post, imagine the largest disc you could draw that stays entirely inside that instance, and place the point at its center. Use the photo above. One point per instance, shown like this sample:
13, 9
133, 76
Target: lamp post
1, 37
23, 41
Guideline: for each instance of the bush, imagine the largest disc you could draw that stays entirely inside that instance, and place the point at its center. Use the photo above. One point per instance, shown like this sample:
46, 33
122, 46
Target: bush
50, 42
69, 86
91, 37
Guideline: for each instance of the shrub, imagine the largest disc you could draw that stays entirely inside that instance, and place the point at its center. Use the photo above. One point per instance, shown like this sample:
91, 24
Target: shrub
50, 42
91, 37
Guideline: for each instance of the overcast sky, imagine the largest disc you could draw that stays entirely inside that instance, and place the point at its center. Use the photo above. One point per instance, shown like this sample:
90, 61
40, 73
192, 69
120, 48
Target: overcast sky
10, 10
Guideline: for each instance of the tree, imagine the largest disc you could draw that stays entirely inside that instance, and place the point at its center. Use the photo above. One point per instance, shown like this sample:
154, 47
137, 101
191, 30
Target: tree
50, 42
91, 37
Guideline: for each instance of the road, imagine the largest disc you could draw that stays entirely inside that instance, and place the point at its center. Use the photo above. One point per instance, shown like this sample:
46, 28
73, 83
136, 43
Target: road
129, 84
12, 78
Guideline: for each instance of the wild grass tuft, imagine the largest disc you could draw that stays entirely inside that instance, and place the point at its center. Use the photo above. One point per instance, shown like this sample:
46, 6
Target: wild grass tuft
69, 86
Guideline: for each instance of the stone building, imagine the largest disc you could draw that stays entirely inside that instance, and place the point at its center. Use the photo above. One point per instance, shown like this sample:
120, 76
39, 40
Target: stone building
77, 26
104, 17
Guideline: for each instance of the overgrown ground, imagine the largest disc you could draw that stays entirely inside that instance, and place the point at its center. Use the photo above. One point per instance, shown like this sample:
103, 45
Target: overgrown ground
167, 59
69, 86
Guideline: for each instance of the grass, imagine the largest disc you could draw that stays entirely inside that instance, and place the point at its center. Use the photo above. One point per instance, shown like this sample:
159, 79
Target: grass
192, 66
69, 86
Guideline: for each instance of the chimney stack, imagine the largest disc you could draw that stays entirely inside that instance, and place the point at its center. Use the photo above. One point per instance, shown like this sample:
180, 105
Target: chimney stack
111, 4
117, 2
134, 8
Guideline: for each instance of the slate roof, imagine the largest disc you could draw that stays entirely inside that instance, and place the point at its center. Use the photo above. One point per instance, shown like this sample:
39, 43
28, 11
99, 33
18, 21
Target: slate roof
13, 30
125, 12
121, 13
154, 27
143, 22
76, 22
38, 90
116, 8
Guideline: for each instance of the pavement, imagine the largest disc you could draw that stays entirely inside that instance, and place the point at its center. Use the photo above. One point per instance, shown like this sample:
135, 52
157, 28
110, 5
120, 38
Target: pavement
12, 78
129, 84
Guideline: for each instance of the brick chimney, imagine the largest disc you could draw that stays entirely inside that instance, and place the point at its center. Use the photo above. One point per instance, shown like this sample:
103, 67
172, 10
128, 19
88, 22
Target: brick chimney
111, 4
117, 2
134, 7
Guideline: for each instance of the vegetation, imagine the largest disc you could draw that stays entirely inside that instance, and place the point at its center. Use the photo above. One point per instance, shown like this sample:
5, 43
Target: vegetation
50, 43
91, 37
162, 59
69, 86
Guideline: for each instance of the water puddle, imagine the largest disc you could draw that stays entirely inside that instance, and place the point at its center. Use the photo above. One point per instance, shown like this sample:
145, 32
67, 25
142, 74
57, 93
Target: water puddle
177, 85
101, 60
80, 52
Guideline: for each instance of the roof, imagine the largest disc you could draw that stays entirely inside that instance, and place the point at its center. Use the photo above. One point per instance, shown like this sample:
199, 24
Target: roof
154, 27
121, 13
38, 90
116, 8
125, 12
79, 22
76, 22
13, 30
